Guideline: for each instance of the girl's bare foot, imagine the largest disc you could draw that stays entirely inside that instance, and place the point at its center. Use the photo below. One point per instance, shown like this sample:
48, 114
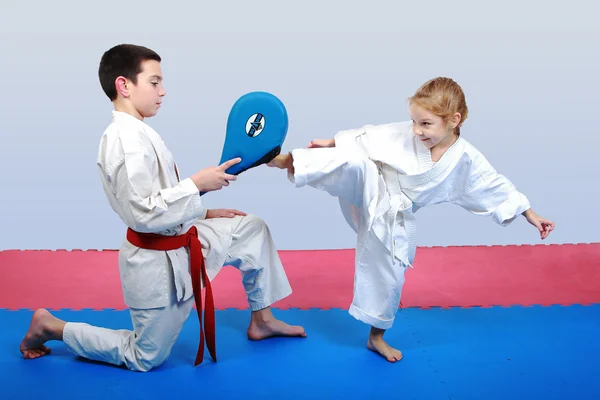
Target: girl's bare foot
44, 326
378, 345
283, 161
264, 325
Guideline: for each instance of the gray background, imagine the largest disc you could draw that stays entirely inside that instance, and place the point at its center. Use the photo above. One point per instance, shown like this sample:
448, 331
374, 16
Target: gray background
529, 70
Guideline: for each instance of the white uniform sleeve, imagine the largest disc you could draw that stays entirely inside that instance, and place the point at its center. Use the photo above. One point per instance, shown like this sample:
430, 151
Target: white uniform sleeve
489, 193
146, 209
354, 140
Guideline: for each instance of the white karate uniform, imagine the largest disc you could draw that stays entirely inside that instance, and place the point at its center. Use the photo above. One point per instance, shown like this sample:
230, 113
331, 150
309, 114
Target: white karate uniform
382, 175
142, 185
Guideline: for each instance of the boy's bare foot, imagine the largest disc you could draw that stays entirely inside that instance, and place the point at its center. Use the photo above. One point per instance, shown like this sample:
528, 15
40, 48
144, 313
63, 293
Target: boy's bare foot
378, 345
44, 326
264, 325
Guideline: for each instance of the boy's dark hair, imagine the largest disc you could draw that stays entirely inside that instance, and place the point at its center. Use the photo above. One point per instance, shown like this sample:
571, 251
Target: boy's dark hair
123, 60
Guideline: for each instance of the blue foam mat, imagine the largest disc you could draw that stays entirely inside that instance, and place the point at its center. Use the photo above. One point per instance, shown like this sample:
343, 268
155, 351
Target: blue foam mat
473, 353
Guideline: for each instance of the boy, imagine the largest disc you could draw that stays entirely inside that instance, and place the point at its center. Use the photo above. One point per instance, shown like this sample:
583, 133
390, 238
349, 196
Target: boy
170, 232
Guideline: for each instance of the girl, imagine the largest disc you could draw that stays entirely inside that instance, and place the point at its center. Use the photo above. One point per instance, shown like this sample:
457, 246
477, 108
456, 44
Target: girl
383, 174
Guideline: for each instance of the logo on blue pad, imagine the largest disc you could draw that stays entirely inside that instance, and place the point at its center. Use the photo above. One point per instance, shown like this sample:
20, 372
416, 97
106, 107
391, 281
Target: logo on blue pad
255, 125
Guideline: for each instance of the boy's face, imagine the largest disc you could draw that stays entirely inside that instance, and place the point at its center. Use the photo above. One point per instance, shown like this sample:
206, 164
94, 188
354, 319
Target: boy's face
146, 96
430, 128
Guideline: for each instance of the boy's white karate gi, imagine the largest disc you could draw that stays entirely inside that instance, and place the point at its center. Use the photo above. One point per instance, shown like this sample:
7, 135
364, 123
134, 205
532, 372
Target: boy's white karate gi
382, 175
141, 182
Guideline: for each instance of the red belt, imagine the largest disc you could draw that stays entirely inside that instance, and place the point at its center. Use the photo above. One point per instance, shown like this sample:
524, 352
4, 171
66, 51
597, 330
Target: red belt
190, 239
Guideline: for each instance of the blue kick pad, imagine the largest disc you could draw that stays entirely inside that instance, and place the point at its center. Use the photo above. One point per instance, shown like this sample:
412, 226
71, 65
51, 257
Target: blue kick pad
461, 353
256, 129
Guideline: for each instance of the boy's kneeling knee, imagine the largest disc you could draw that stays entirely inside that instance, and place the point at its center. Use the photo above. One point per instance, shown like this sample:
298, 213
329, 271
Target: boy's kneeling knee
146, 364
146, 360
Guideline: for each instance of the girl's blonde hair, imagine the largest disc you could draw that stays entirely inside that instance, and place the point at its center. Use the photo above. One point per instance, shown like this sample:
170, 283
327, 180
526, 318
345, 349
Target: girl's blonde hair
442, 97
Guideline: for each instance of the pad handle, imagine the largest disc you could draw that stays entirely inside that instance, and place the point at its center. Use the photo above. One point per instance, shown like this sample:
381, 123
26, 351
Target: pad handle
267, 158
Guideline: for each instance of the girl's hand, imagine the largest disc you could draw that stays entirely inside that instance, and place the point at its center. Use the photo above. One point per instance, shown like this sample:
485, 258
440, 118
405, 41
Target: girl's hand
321, 143
543, 225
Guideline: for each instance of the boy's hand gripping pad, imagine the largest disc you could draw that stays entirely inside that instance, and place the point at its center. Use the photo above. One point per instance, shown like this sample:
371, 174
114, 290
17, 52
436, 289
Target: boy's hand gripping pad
256, 129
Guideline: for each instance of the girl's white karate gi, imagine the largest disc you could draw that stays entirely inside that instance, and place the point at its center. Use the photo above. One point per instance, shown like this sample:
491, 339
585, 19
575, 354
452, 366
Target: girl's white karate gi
141, 182
382, 175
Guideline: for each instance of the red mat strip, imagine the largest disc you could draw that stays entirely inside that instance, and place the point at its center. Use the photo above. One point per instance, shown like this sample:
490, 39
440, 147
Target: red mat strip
443, 276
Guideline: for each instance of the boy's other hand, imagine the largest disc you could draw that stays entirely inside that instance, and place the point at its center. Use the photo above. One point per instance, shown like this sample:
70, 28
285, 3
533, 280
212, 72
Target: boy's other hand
223, 213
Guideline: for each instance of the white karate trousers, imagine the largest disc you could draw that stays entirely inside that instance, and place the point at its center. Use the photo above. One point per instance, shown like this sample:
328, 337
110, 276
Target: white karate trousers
355, 180
156, 330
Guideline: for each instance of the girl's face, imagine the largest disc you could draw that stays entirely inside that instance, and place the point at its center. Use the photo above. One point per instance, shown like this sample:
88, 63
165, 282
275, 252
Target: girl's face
430, 128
